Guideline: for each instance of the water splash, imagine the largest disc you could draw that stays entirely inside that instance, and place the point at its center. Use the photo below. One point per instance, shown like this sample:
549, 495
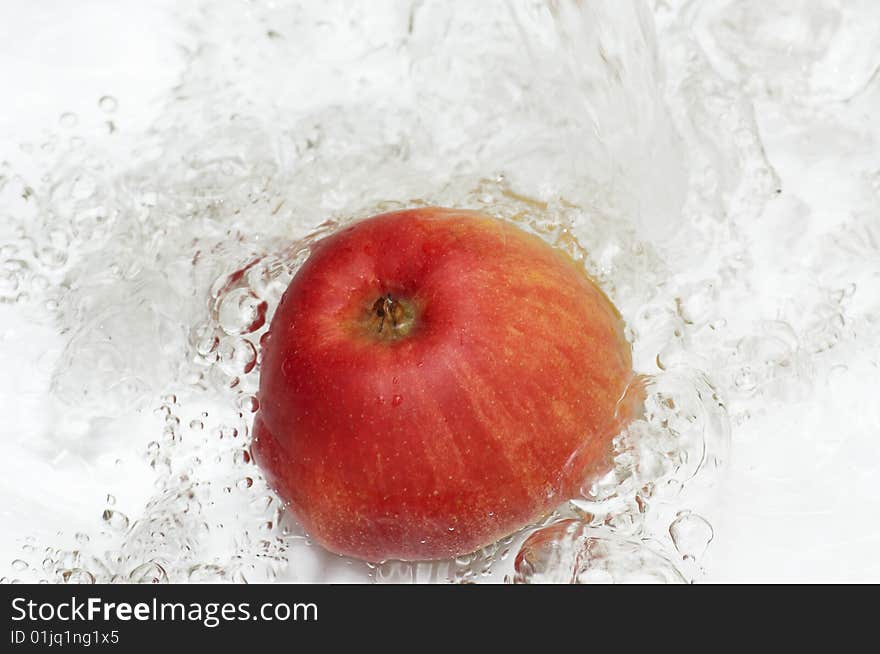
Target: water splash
634, 139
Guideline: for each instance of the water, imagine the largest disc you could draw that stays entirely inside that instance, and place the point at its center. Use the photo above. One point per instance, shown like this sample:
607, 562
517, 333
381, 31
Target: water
712, 164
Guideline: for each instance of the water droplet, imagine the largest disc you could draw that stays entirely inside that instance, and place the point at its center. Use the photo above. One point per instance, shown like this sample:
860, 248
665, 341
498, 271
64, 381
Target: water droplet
19, 565
115, 519
691, 534
397, 400
150, 572
107, 104
77, 576
244, 484
68, 120
248, 403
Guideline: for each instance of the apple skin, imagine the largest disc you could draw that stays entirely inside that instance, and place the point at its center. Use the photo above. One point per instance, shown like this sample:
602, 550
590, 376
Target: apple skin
491, 407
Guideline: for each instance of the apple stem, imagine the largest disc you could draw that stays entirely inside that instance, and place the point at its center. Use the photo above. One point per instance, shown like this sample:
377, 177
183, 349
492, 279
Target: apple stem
393, 318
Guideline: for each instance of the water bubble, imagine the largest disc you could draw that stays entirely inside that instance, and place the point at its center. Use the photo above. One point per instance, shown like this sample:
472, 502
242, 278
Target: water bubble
207, 344
269, 279
107, 104
77, 576
150, 572
206, 573
241, 312
248, 403
236, 356
691, 534
115, 519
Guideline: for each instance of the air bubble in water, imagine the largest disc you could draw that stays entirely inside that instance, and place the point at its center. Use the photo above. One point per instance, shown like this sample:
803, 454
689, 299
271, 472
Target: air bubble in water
107, 104
691, 534
244, 484
115, 519
77, 576
150, 572
241, 312
206, 573
248, 403
236, 356
207, 343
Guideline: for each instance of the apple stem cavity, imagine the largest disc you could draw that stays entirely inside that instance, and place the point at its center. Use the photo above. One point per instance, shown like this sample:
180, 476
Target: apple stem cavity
391, 318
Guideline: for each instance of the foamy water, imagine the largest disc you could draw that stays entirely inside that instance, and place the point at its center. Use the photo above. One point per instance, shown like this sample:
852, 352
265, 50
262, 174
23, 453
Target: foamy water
714, 165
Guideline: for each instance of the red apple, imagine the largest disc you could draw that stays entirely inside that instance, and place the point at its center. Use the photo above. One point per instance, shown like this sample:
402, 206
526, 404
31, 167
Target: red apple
434, 380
